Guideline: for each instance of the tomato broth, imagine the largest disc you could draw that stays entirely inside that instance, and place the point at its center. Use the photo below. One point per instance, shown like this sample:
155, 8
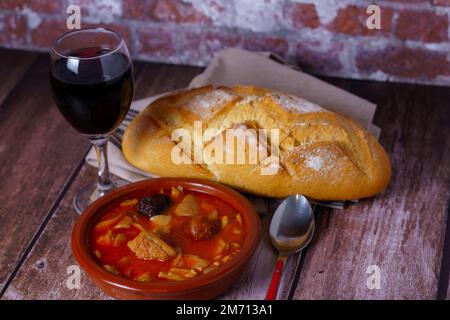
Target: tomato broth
194, 235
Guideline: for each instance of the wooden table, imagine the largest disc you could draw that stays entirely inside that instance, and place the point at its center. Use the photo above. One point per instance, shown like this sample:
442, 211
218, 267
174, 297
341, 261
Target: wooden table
404, 231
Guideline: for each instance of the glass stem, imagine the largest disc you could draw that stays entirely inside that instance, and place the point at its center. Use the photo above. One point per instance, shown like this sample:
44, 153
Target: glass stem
105, 183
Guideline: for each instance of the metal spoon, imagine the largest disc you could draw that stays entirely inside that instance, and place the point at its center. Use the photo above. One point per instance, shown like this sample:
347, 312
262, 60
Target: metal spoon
291, 229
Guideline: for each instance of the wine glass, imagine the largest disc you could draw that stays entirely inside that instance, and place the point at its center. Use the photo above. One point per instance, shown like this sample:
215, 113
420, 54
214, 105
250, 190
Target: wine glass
92, 82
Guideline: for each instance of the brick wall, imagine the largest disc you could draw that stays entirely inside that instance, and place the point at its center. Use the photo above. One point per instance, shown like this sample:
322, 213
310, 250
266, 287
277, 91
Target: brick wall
326, 37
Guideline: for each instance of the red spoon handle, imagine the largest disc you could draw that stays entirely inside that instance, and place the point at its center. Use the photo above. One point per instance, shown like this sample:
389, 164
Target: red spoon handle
273, 288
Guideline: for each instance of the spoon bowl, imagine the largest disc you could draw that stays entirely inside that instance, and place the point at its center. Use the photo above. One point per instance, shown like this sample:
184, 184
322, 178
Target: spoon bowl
291, 230
292, 225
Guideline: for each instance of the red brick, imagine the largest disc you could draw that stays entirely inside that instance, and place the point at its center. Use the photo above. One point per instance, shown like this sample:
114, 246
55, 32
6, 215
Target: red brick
46, 6
201, 46
98, 10
425, 26
318, 61
302, 15
124, 30
140, 10
410, 1
441, 2
175, 11
156, 42
50, 29
46, 33
352, 20
178, 12
403, 62
13, 29
263, 43
12, 4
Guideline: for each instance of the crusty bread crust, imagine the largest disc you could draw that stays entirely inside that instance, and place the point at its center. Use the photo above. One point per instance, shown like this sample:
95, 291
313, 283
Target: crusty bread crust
323, 155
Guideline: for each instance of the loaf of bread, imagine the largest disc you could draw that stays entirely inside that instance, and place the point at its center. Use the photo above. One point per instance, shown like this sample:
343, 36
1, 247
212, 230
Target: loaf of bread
321, 154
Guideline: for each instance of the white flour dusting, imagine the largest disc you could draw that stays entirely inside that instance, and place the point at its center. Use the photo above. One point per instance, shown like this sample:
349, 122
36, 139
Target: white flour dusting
248, 99
292, 103
314, 162
205, 103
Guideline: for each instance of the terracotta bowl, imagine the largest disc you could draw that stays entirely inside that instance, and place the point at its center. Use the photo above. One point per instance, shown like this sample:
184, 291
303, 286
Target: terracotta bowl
201, 287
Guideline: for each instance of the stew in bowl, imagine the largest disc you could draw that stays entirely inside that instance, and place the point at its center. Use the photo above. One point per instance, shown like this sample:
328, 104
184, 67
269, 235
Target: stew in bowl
167, 239
172, 235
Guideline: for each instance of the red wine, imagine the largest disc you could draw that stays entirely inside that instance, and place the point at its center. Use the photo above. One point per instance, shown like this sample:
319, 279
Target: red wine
94, 95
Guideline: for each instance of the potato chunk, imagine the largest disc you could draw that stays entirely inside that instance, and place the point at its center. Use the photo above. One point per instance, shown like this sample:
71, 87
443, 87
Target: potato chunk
149, 246
111, 269
188, 206
169, 276
109, 222
221, 247
118, 239
214, 215
105, 239
162, 223
224, 221
174, 193
185, 273
125, 223
130, 202
195, 262
178, 274
239, 219
143, 277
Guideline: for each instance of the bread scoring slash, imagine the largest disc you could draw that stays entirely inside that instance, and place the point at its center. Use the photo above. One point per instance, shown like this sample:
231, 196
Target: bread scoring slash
323, 155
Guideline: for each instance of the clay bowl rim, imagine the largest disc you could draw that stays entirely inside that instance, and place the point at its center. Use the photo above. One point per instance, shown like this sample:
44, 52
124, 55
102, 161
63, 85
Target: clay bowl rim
82, 230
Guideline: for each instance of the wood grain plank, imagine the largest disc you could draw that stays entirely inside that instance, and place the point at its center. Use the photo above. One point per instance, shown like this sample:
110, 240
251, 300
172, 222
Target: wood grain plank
402, 230
38, 152
14, 64
444, 277
160, 78
43, 274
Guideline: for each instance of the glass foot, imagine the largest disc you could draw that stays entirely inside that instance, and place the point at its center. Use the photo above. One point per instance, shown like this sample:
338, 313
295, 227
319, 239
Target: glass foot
89, 193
